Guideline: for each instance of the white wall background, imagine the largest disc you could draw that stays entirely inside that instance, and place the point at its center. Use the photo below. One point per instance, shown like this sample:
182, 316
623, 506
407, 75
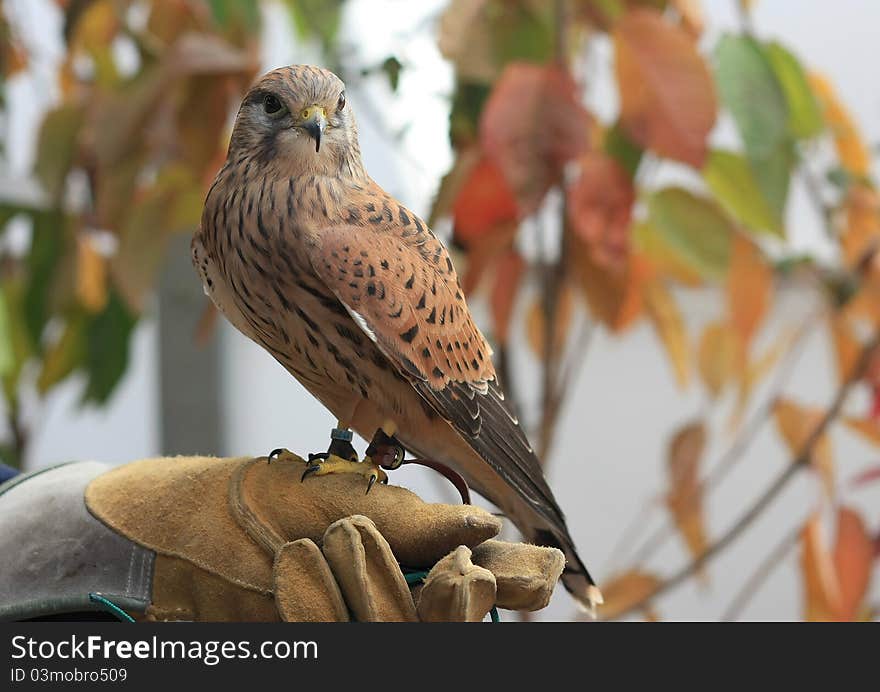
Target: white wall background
609, 459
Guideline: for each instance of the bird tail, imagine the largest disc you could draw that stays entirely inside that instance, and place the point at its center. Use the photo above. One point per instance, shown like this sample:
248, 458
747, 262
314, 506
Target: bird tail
575, 577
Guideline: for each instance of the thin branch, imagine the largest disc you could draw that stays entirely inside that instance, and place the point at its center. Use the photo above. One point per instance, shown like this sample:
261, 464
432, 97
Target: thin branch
744, 438
800, 461
765, 569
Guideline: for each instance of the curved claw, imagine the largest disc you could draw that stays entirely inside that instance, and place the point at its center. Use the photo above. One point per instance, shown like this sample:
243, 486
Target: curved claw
309, 471
274, 453
320, 455
370, 483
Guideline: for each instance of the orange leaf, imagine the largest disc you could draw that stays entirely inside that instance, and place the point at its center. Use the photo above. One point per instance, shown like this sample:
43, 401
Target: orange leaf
836, 581
508, 275
531, 126
846, 346
614, 298
851, 150
853, 556
669, 325
600, 208
536, 322
868, 428
796, 425
684, 497
667, 98
749, 288
484, 201
91, 275
862, 207
625, 590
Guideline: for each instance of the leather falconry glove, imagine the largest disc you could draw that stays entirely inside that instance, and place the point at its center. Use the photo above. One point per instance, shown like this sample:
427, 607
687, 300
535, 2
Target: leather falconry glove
244, 539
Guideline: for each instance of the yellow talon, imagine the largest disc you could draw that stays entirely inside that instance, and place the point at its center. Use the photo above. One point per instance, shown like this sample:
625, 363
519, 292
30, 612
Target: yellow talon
334, 464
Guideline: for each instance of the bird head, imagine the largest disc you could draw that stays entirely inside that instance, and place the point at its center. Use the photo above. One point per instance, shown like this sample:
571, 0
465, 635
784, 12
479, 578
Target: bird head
296, 120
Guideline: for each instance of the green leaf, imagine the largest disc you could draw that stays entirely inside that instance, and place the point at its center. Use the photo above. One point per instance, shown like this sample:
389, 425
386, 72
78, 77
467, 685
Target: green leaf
730, 178
626, 152
47, 242
7, 349
467, 104
805, 116
17, 336
228, 13
318, 19
56, 148
392, 67
694, 229
750, 90
65, 355
107, 338
521, 31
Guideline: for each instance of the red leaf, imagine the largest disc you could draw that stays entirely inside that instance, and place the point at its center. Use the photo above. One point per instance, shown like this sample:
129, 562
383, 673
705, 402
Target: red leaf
870, 475
600, 209
531, 126
667, 98
484, 202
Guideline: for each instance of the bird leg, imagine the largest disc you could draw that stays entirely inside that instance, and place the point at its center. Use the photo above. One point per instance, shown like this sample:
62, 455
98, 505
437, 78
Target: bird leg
341, 457
340, 444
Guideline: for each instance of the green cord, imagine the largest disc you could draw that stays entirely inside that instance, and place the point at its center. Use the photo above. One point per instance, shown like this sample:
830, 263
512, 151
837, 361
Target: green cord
110, 607
415, 577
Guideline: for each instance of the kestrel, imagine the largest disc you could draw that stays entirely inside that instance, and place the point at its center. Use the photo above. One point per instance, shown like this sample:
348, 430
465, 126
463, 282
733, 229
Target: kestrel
354, 295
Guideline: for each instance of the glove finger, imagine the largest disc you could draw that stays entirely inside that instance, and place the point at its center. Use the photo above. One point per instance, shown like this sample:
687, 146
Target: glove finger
525, 574
419, 533
305, 590
456, 590
367, 571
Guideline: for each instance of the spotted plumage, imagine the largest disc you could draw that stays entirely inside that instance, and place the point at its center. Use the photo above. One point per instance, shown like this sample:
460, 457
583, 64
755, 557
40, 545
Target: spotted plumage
354, 295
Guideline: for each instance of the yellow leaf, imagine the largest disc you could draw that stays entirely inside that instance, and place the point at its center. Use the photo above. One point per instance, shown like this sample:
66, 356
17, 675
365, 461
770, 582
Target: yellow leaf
536, 322
625, 590
851, 150
753, 373
684, 497
796, 425
718, 356
669, 325
91, 275
749, 288
821, 589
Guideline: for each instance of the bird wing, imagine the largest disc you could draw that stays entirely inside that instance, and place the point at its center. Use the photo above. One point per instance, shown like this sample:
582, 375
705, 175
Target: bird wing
400, 287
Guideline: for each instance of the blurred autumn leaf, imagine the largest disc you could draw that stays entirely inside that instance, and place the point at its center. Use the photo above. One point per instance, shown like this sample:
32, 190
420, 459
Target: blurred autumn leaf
835, 581
684, 495
666, 92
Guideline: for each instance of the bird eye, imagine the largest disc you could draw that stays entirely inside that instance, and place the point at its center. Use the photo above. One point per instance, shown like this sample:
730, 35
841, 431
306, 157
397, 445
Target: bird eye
271, 104
340, 104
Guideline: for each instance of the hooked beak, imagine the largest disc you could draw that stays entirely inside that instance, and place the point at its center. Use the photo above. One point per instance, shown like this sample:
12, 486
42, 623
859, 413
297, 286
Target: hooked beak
313, 120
